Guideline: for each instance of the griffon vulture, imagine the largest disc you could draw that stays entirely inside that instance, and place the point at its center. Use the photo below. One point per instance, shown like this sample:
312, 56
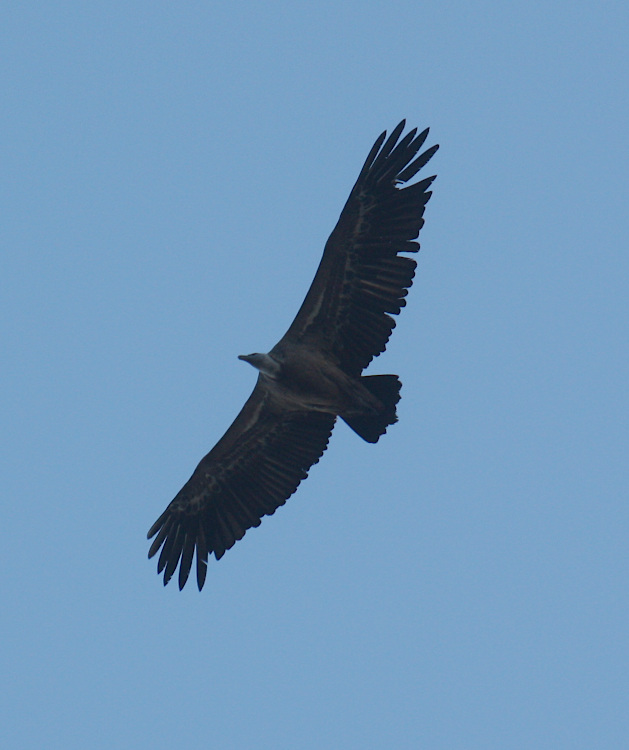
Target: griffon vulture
314, 373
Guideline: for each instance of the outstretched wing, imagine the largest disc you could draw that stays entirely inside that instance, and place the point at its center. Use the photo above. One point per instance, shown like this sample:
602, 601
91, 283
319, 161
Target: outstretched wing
362, 279
249, 473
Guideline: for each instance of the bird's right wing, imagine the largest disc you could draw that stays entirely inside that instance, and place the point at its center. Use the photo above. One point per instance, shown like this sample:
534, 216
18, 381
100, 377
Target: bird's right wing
249, 473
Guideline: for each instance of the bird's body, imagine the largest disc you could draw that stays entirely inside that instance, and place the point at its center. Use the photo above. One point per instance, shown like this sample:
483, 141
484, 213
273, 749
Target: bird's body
314, 373
300, 379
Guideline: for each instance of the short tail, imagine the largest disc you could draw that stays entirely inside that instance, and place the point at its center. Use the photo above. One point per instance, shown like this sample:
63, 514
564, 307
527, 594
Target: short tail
370, 426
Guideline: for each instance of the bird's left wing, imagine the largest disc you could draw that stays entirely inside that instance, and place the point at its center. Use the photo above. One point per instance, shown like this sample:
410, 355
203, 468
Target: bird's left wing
249, 473
362, 278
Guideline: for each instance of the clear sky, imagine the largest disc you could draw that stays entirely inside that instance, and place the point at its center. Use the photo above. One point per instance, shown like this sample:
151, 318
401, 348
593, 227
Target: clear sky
170, 173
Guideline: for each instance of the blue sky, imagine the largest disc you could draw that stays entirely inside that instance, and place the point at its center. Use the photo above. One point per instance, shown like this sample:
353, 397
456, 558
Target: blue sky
170, 173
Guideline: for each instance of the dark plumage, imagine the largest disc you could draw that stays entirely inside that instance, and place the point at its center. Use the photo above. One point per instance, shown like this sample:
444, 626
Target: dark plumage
314, 373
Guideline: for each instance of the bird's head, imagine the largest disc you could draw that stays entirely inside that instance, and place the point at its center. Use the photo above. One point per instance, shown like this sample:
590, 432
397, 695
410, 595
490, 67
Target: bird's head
263, 362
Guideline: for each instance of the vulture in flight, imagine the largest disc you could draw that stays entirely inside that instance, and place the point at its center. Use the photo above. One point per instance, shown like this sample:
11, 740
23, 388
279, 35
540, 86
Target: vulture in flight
314, 373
